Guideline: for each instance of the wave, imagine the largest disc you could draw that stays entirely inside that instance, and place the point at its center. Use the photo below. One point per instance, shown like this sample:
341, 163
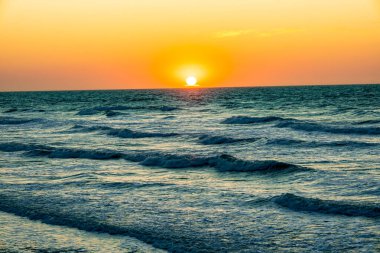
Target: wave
52, 152
286, 142
11, 110
132, 185
68, 153
96, 110
222, 163
232, 164
86, 129
364, 122
373, 191
16, 147
251, 120
122, 133
355, 144
299, 203
315, 144
174, 161
306, 126
315, 127
15, 121
73, 176
126, 133
214, 140
168, 108
144, 158
169, 117
111, 114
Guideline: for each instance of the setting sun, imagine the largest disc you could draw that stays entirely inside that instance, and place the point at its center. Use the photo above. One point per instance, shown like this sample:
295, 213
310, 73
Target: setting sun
191, 81
113, 44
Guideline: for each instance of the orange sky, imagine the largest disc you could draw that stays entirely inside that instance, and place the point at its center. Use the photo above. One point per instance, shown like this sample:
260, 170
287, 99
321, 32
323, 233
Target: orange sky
119, 44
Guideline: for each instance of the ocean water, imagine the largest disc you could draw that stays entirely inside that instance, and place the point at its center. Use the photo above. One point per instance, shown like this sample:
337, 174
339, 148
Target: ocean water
284, 169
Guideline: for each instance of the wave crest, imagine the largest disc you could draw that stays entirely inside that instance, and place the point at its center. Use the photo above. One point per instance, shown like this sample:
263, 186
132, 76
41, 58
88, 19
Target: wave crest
298, 203
111, 114
126, 133
371, 121
16, 147
250, 120
316, 144
14, 121
221, 163
121, 133
132, 185
315, 127
307, 126
233, 164
86, 129
67, 153
214, 140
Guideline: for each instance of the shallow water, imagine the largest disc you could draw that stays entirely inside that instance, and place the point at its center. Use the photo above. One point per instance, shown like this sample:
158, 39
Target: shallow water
206, 170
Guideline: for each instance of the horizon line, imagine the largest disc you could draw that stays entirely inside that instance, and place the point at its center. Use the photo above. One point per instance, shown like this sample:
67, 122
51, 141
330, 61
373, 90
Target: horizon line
198, 87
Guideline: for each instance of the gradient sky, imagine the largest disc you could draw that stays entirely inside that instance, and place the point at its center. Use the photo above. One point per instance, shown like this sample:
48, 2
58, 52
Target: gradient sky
121, 44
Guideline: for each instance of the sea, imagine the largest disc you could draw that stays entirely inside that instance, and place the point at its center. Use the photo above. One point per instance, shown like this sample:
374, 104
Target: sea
264, 169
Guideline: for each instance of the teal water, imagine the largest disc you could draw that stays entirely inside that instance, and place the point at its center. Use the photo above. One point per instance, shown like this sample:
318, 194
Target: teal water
285, 169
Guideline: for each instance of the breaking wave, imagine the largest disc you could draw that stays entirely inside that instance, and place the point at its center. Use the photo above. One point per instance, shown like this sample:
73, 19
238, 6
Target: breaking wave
52, 152
315, 127
155, 159
232, 164
174, 161
251, 120
214, 140
299, 203
306, 126
122, 133
315, 144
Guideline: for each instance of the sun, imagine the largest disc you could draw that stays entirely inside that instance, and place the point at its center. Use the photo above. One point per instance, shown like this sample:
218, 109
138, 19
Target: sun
191, 81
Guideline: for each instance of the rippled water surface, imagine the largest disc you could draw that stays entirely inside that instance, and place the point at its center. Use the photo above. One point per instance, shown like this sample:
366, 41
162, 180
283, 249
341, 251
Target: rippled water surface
291, 169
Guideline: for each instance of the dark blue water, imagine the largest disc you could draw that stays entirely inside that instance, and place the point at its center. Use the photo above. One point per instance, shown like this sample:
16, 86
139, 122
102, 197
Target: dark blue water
286, 169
